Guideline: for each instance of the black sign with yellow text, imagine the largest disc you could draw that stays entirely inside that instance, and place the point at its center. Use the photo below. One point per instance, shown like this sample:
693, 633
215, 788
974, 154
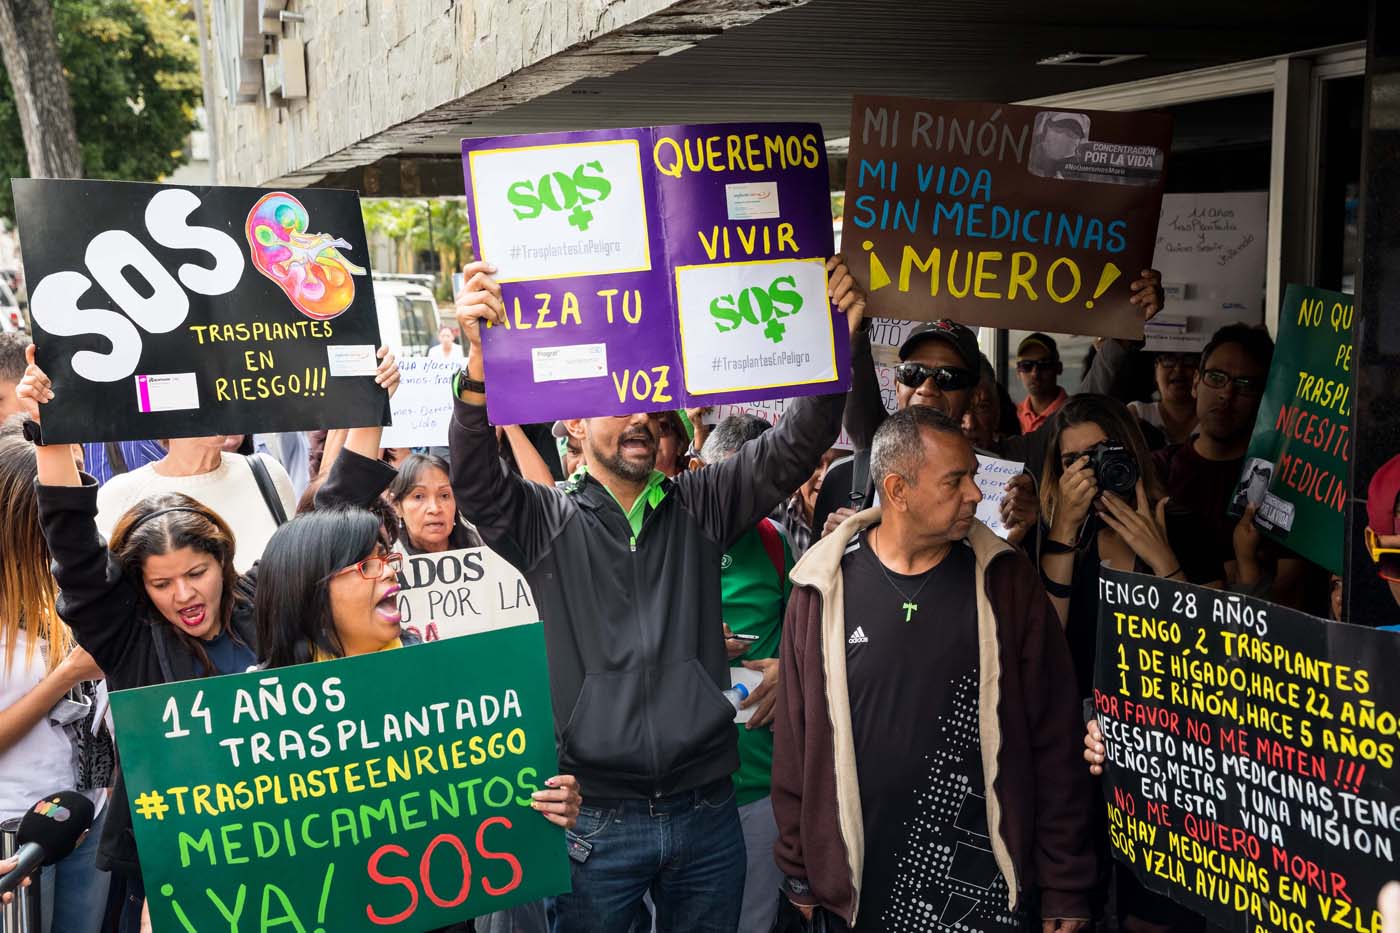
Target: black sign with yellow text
1250, 773
164, 311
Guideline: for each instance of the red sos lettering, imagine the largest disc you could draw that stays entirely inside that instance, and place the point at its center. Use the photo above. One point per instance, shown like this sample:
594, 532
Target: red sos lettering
378, 876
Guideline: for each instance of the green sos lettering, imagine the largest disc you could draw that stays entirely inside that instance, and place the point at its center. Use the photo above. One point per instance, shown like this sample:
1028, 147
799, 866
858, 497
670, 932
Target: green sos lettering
560, 192
763, 307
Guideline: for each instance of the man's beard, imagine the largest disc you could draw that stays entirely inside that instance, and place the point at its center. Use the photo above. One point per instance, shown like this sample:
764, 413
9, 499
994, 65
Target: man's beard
627, 469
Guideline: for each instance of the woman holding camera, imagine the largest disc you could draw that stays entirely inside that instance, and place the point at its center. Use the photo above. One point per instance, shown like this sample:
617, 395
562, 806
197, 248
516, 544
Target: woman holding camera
1104, 503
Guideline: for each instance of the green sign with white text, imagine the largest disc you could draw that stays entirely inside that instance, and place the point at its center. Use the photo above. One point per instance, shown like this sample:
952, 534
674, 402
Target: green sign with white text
1296, 468
387, 790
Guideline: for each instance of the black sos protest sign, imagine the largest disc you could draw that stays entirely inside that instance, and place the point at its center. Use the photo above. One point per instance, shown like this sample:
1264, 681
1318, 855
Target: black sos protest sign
164, 311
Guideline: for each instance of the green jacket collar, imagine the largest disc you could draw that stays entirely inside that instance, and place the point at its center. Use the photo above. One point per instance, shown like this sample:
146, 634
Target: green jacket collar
651, 496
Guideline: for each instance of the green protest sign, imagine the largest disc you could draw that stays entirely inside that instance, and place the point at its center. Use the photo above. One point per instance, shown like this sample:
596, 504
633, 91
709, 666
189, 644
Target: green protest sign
387, 790
1296, 468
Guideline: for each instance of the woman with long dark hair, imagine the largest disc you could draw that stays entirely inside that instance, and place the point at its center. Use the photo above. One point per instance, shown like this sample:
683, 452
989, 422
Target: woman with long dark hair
422, 497
1095, 447
308, 610
327, 588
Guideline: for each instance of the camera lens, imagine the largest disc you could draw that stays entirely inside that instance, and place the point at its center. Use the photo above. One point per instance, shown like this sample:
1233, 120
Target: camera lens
1117, 472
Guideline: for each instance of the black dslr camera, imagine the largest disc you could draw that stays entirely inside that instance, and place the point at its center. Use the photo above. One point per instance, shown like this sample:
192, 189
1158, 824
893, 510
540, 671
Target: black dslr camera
1114, 468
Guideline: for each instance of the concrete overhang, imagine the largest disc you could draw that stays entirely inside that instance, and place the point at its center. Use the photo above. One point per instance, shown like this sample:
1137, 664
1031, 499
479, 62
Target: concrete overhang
437, 71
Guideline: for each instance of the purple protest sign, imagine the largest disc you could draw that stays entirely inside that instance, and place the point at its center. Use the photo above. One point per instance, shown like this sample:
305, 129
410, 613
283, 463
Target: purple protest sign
655, 268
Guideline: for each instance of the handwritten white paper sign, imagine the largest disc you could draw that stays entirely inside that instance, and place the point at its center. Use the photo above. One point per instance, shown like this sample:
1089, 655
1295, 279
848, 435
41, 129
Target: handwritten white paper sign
992, 477
422, 406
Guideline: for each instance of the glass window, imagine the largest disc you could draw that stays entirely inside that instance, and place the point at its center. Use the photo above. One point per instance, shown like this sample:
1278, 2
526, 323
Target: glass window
1217, 146
1339, 184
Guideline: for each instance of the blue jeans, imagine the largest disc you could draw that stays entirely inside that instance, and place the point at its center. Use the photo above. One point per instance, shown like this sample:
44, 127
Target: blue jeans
73, 892
687, 850
133, 900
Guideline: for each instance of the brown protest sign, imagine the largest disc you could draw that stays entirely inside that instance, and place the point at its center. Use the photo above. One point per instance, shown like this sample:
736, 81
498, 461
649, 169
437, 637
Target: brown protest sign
1017, 217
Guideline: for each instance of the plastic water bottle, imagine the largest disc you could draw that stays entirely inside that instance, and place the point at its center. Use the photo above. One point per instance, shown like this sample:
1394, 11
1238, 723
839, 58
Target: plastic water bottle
736, 695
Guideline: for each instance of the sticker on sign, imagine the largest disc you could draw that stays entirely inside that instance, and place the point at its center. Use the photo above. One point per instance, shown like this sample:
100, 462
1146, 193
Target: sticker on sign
581, 361
168, 392
755, 200
352, 360
1276, 513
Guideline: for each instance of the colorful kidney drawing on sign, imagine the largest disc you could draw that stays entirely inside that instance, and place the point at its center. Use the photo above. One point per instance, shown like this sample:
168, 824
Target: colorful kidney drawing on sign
308, 267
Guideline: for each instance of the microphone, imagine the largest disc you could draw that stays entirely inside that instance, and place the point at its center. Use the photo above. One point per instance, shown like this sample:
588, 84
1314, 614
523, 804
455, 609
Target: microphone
48, 833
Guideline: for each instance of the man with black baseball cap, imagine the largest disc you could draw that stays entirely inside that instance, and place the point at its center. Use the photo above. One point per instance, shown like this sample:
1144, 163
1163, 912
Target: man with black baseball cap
1039, 367
939, 365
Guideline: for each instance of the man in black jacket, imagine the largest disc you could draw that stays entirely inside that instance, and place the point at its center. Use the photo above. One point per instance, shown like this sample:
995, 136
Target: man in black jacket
624, 565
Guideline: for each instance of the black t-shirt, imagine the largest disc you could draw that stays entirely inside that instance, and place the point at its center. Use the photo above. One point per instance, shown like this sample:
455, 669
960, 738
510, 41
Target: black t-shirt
914, 712
1186, 533
1204, 488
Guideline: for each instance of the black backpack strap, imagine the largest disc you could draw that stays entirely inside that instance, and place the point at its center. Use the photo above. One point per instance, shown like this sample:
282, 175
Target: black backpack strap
861, 497
268, 490
115, 460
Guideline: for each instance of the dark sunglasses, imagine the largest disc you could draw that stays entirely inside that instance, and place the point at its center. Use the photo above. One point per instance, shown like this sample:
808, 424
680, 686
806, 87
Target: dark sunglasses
1030, 366
1244, 385
947, 378
1177, 360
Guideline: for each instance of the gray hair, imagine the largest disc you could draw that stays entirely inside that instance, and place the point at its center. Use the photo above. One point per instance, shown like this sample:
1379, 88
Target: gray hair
898, 446
731, 434
12, 363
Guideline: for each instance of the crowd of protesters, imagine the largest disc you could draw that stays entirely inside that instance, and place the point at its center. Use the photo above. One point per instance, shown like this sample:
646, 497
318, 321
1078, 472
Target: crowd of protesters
919, 679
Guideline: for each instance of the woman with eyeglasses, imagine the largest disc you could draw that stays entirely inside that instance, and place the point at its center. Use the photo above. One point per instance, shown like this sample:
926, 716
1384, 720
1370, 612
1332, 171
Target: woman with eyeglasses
327, 589
1174, 412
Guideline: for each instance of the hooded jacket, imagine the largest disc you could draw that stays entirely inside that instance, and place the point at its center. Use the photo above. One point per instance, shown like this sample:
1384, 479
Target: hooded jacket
632, 621
1038, 790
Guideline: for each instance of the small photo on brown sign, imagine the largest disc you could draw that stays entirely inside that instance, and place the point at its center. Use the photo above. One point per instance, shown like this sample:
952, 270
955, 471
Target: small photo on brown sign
1005, 216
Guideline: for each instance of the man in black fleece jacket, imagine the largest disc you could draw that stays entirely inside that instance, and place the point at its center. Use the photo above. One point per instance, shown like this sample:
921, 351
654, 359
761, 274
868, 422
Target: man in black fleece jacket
624, 565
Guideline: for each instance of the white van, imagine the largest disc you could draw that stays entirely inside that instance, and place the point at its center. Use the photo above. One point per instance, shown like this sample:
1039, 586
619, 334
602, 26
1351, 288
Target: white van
408, 313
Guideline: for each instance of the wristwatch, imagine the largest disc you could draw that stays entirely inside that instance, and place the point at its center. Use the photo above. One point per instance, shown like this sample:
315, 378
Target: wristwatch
796, 887
32, 432
463, 382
